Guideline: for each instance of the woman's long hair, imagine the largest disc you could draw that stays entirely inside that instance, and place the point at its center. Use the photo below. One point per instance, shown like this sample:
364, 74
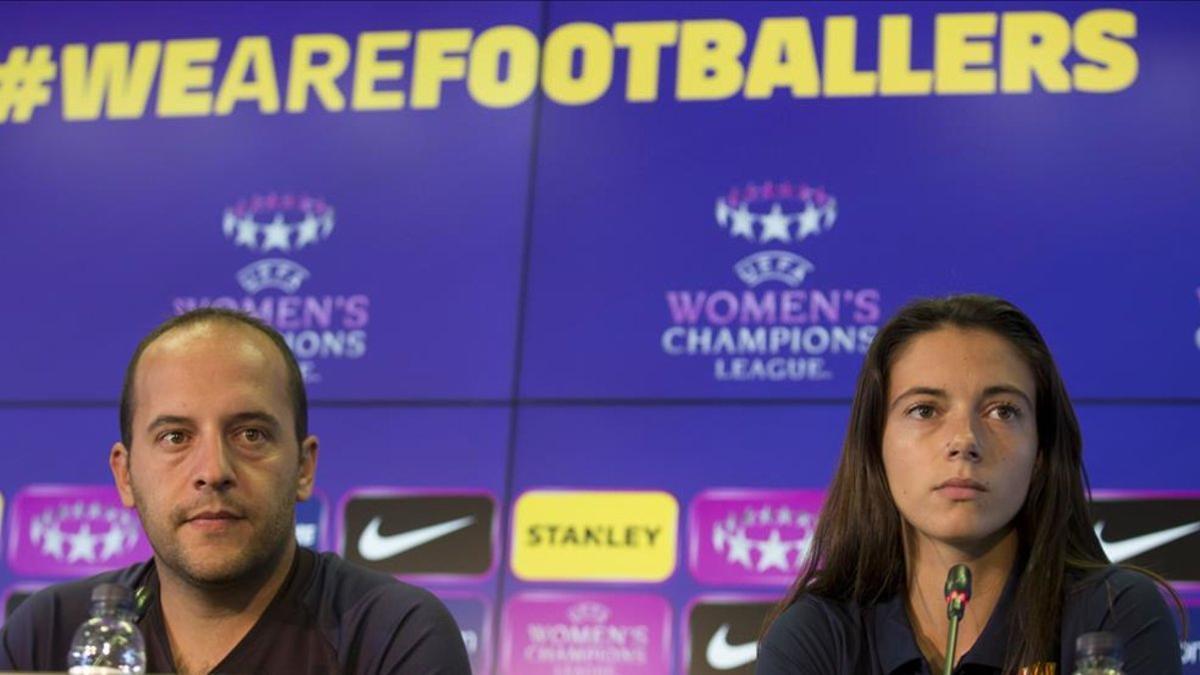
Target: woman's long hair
857, 552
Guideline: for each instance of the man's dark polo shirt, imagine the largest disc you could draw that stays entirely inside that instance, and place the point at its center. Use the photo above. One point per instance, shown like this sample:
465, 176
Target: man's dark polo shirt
816, 636
329, 616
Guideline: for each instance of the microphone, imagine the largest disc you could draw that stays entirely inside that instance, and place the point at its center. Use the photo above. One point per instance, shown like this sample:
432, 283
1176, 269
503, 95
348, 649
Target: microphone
958, 593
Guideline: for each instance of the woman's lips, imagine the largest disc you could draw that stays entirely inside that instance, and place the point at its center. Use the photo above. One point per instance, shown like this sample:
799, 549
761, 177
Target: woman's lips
960, 489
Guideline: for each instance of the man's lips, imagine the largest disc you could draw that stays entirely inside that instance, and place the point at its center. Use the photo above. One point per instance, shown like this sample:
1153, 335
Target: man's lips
212, 516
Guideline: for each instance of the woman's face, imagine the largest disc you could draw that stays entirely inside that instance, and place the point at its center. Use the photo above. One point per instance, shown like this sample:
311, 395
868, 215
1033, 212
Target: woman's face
960, 436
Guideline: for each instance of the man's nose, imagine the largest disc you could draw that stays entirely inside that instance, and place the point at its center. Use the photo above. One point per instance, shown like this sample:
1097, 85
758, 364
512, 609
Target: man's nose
212, 468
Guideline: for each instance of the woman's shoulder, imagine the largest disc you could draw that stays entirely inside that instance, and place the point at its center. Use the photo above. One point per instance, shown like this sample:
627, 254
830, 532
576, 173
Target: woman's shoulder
1110, 586
814, 634
1129, 604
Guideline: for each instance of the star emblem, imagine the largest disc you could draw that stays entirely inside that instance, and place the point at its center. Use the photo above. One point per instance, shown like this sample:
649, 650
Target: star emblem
306, 231
276, 235
722, 213
764, 515
784, 515
775, 225
113, 543
739, 549
247, 233
743, 223
83, 545
52, 543
810, 221
773, 553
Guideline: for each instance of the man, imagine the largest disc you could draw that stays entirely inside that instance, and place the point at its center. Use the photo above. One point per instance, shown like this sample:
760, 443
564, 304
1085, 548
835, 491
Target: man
214, 454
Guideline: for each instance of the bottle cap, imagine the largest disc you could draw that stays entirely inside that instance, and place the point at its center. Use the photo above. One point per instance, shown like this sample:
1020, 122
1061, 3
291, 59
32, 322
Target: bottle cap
1098, 644
114, 593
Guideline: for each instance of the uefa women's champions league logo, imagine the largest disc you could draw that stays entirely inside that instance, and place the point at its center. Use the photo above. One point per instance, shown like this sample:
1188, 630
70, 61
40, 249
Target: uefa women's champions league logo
796, 212
772, 329
548, 633
319, 326
273, 222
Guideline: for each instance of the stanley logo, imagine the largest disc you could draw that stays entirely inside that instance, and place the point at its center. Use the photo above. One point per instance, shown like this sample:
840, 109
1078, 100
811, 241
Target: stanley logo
594, 536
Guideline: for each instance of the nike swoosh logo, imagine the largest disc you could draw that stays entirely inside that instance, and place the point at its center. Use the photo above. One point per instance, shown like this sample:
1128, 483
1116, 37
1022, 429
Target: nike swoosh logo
373, 546
1119, 551
723, 656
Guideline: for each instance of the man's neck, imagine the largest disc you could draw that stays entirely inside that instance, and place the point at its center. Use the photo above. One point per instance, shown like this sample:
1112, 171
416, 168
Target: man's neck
205, 623
990, 563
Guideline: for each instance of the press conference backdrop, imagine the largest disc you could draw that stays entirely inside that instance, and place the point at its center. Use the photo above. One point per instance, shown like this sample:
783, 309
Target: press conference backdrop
580, 290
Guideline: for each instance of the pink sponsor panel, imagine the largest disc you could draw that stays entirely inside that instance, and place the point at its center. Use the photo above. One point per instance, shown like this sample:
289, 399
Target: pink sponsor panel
548, 633
744, 536
73, 530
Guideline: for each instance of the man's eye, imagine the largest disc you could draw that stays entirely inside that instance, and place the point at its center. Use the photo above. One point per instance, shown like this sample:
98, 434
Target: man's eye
254, 435
173, 437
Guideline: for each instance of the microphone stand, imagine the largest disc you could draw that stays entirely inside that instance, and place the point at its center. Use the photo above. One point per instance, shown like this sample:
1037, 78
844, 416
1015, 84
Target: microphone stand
958, 593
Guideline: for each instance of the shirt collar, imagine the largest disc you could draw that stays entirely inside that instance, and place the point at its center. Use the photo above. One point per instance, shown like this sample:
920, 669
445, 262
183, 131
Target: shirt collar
897, 647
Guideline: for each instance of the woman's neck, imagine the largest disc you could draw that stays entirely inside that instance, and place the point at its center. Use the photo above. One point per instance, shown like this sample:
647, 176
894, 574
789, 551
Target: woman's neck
991, 562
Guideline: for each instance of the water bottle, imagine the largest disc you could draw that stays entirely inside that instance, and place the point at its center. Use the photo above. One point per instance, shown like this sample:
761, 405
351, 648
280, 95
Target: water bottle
109, 642
1098, 654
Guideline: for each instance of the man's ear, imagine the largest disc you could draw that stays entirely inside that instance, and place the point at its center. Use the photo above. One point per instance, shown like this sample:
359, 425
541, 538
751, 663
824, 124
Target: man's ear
118, 461
308, 468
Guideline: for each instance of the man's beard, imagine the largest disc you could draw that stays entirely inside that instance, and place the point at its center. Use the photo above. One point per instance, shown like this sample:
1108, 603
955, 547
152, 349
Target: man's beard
255, 561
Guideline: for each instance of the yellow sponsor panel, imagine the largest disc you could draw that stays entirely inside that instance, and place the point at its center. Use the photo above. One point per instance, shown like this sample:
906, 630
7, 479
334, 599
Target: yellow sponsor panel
562, 535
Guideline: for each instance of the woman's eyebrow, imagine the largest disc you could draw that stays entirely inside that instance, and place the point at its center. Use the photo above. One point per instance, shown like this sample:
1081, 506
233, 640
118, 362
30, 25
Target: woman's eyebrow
918, 391
1010, 389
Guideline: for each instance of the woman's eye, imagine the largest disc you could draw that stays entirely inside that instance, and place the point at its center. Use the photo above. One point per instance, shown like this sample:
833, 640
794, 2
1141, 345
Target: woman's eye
1005, 411
922, 411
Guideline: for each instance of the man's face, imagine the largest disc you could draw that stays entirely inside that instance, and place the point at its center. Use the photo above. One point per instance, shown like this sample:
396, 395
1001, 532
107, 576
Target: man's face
215, 468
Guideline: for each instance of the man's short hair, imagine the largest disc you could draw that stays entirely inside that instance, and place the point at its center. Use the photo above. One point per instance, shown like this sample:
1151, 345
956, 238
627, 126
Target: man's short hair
295, 380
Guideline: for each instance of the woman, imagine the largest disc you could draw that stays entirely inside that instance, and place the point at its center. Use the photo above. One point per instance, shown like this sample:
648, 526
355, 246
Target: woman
962, 448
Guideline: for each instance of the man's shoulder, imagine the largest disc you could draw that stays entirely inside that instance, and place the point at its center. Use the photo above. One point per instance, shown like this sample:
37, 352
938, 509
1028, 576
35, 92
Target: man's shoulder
346, 586
74, 597
38, 632
387, 621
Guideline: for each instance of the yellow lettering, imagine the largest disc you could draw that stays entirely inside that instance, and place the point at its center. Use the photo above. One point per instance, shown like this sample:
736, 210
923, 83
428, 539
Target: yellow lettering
322, 79
841, 76
186, 77
1034, 43
483, 71
645, 41
708, 66
109, 80
251, 53
955, 52
896, 76
596, 64
783, 56
369, 70
1098, 36
439, 57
